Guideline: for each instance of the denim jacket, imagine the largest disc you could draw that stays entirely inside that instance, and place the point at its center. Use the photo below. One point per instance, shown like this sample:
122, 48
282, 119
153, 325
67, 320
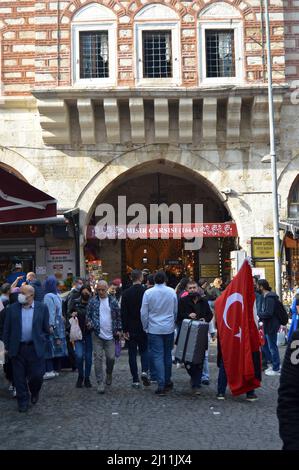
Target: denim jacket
93, 314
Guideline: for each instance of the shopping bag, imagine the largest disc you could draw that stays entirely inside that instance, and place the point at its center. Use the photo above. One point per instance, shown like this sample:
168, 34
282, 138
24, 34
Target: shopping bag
75, 331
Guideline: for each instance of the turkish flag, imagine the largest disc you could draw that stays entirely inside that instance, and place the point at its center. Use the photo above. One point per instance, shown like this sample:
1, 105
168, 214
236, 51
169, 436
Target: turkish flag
238, 333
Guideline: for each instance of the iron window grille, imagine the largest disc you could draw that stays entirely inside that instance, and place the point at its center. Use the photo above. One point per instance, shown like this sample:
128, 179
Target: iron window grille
94, 54
220, 53
157, 57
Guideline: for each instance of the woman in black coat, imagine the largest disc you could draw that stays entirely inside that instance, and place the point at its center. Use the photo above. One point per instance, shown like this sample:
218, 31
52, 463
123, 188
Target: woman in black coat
288, 396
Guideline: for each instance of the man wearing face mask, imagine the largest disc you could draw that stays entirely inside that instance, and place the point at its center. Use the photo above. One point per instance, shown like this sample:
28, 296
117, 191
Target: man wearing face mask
7, 367
25, 329
195, 307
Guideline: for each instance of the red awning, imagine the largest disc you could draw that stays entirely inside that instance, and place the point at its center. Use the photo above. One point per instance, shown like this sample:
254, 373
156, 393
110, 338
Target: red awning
19, 201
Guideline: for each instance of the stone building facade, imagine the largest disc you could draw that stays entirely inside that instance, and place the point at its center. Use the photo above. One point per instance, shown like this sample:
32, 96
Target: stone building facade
179, 90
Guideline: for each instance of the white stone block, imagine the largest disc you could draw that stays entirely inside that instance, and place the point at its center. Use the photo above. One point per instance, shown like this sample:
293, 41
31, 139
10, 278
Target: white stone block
137, 120
46, 19
86, 120
209, 119
186, 120
125, 62
29, 61
161, 120
27, 34
112, 120
23, 48
17, 21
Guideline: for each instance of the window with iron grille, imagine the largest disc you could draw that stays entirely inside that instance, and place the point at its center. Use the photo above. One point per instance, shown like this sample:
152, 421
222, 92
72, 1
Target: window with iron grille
220, 53
94, 54
157, 60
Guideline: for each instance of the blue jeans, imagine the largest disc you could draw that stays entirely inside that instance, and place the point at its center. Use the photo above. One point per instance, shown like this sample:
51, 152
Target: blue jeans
222, 379
160, 350
83, 352
271, 352
140, 342
205, 370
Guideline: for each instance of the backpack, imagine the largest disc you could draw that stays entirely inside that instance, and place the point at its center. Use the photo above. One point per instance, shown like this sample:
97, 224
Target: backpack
281, 313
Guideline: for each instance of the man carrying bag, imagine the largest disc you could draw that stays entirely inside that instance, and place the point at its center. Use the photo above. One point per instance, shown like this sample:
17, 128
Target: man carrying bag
193, 335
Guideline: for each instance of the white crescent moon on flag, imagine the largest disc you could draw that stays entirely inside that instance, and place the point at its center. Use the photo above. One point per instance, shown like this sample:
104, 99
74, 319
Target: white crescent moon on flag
236, 297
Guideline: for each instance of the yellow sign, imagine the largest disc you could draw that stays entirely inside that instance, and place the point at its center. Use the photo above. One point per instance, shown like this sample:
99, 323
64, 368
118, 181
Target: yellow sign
262, 247
209, 270
269, 271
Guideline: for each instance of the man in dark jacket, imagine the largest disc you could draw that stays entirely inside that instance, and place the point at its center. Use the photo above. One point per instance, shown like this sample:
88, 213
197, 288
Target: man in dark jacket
32, 280
271, 324
132, 327
25, 329
195, 307
288, 396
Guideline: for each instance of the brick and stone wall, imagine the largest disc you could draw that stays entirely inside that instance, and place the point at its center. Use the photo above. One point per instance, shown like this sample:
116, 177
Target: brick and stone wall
36, 40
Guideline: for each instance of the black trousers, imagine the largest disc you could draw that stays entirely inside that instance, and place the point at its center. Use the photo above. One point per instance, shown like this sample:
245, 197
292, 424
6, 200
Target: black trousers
7, 367
28, 372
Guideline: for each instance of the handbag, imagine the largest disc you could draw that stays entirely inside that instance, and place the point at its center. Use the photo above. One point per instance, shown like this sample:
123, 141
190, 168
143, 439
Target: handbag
75, 331
2, 353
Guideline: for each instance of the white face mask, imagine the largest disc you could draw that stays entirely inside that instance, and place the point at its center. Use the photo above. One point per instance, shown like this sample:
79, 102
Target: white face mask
22, 299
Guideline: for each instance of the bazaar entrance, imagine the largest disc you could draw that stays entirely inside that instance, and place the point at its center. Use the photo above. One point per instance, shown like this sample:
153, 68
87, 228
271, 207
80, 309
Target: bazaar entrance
116, 258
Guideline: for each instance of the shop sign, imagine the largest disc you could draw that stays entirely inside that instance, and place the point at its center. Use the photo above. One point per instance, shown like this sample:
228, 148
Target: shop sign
163, 231
173, 262
41, 270
60, 261
262, 247
269, 271
209, 270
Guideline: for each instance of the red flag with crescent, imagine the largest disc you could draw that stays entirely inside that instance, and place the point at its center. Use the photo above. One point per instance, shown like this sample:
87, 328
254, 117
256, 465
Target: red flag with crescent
238, 333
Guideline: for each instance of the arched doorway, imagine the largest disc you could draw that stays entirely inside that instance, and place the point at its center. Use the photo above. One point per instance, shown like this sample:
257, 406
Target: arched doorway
157, 184
291, 239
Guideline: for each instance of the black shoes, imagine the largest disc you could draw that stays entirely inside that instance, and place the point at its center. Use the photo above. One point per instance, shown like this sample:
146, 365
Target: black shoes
145, 380
79, 383
34, 399
168, 387
87, 383
205, 382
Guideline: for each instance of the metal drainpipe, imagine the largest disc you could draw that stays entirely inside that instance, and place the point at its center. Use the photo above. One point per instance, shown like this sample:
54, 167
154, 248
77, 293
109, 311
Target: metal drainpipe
263, 41
58, 42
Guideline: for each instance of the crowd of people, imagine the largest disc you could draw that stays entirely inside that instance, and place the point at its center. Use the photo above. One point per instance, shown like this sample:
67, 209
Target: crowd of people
41, 331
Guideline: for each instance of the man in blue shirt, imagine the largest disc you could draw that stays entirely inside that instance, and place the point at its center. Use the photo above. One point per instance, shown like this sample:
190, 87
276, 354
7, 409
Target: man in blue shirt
25, 329
17, 274
158, 315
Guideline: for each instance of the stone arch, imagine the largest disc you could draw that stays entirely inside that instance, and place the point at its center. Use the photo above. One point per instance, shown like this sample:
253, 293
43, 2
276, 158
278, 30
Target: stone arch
242, 7
93, 10
136, 6
19, 164
286, 181
74, 6
120, 168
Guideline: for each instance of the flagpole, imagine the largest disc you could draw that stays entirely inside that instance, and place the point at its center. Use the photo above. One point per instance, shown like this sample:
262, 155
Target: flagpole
277, 258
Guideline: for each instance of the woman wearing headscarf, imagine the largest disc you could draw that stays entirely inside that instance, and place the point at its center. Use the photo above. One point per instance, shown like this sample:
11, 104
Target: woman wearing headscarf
295, 314
57, 347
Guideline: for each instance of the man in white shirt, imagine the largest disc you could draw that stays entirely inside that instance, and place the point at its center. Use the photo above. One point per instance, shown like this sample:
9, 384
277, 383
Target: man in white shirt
158, 315
103, 314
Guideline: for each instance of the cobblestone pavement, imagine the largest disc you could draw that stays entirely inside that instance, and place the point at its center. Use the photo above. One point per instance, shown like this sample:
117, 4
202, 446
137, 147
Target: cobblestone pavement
127, 419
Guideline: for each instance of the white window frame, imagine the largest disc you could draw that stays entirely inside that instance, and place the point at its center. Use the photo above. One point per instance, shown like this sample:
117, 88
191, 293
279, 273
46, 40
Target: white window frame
174, 27
235, 25
110, 27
